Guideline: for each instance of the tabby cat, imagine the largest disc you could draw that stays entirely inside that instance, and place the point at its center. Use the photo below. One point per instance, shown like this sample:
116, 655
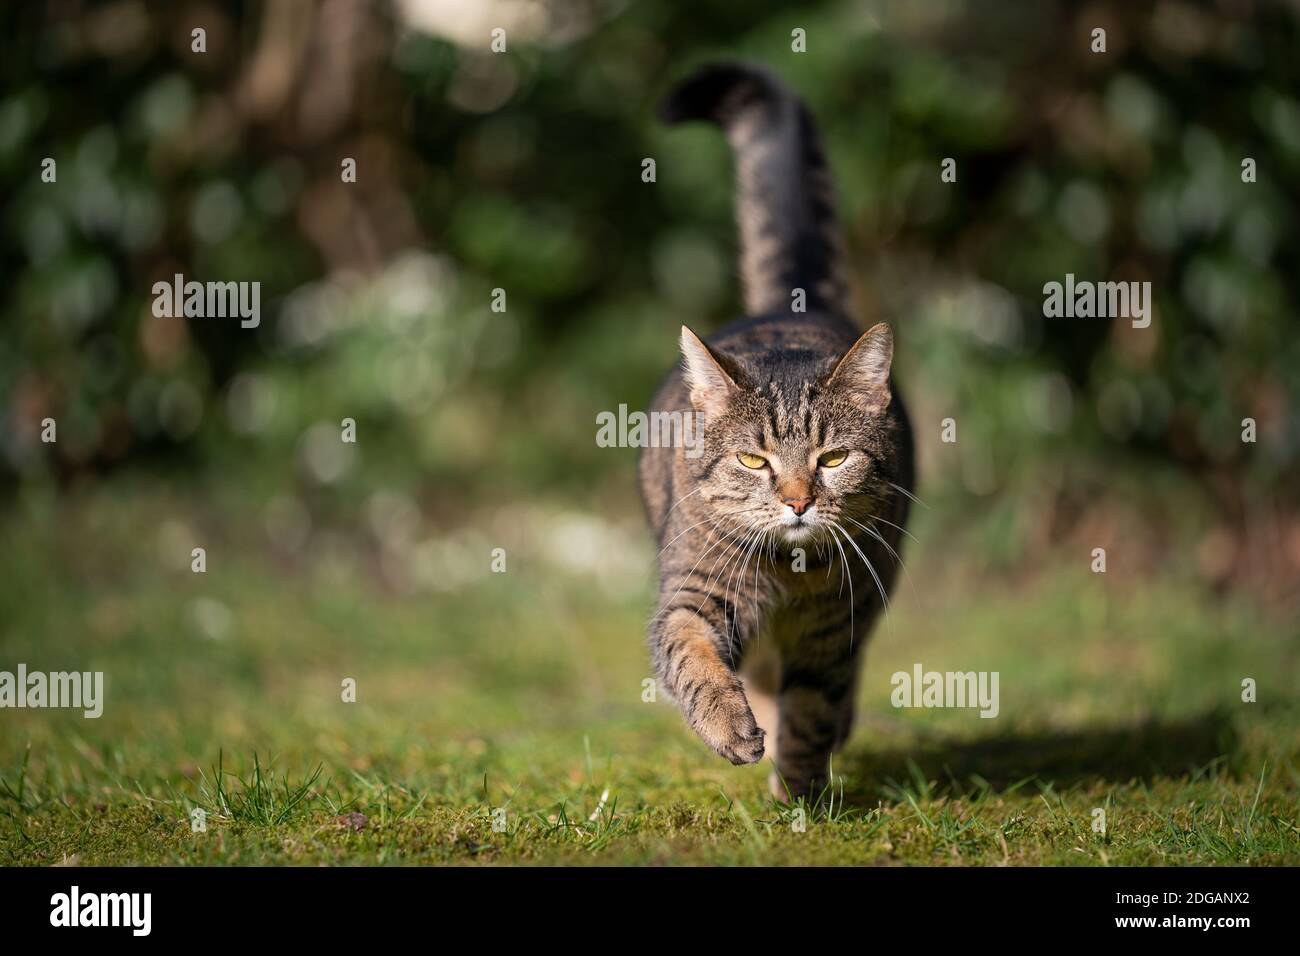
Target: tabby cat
780, 540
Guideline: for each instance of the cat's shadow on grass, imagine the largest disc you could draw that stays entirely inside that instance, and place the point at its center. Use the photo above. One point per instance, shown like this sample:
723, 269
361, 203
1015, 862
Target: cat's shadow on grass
1145, 752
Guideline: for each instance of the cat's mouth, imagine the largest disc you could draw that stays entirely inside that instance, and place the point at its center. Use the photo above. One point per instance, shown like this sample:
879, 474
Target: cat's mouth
796, 528
799, 519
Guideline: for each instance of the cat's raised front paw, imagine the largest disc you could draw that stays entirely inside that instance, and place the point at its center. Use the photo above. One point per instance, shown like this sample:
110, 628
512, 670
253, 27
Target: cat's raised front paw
726, 723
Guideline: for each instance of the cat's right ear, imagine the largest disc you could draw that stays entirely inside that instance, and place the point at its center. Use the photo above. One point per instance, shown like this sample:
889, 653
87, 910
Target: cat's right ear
710, 383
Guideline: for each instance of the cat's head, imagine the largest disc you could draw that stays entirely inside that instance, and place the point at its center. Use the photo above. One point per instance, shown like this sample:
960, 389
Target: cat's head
798, 446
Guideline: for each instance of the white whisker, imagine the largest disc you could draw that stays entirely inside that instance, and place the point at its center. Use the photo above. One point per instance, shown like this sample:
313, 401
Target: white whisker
732, 633
892, 525
711, 519
681, 499
908, 494
884, 598
852, 603
888, 547
726, 536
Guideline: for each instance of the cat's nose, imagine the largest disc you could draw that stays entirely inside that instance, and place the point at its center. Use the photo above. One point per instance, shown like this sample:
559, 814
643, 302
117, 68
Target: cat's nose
798, 505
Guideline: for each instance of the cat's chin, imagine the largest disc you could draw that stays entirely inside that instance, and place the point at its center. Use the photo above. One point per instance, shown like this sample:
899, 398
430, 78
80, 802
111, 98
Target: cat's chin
800, 533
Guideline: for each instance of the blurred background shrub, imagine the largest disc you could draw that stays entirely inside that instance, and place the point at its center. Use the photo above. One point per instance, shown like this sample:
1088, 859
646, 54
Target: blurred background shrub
522, 171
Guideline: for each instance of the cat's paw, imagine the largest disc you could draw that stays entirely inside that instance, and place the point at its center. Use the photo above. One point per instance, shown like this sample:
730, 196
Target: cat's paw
725, 722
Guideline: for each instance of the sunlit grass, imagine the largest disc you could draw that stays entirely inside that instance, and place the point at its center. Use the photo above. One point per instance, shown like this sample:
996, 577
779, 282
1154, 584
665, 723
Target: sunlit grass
503, 722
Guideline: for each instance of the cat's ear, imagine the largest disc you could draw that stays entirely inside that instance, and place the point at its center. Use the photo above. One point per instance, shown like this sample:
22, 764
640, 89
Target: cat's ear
710, 377
863, 373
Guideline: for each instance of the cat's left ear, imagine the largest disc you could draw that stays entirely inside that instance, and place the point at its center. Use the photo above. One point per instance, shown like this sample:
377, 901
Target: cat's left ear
863, 373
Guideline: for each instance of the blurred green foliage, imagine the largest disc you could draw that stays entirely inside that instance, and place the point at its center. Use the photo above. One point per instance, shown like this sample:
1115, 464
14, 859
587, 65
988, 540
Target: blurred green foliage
521, 171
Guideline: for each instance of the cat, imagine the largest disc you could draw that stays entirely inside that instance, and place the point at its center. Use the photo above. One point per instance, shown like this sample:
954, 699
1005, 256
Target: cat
806, 470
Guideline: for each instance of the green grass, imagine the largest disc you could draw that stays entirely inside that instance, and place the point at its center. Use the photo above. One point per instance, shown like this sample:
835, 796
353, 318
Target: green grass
521, 692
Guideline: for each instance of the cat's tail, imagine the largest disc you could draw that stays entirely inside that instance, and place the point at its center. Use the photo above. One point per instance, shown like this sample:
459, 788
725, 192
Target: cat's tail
789, 237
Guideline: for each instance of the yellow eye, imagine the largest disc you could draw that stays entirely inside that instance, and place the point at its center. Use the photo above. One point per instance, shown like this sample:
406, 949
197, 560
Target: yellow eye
751, 461
833, 459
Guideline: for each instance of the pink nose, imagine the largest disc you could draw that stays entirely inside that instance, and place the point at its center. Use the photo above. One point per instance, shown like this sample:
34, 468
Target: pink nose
798, 505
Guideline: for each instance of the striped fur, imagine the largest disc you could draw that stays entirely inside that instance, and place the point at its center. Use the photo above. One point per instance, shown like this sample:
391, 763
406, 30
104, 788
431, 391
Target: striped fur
757, 605
784, 207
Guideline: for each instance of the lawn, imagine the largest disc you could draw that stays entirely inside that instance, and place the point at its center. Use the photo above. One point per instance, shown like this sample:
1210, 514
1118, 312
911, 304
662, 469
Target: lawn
499, 717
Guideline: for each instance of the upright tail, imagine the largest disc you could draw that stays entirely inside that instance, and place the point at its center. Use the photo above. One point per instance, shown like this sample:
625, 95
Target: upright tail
789, 237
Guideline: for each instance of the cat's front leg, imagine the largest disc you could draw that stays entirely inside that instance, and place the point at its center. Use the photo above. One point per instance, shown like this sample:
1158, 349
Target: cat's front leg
689, 660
